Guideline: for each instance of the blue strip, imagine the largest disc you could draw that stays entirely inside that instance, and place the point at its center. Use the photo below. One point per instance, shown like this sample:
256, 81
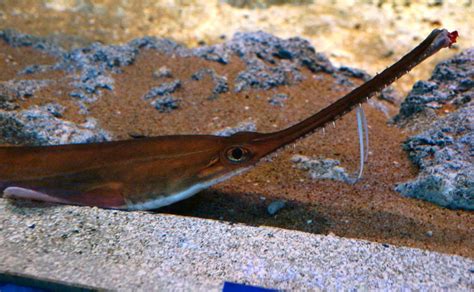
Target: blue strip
235, 287
8, 287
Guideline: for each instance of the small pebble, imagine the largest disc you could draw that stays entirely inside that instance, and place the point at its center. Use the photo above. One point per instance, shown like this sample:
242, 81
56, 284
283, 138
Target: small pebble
275, 206
165, 104
278, 99
429, 233
163, 72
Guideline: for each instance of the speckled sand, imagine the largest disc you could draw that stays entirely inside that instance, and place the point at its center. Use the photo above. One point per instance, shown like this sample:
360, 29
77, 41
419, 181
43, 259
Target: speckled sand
145, 251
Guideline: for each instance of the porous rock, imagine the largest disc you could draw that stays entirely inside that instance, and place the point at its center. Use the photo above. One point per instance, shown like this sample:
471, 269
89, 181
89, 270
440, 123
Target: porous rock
165, 104
452, 83
41, 126
344, 73
163, 100
322, 168
444, 149
220, 82
444, 156
270, 61
163, 72
165, 88
278, 99
90, 68
247, 126
22, 88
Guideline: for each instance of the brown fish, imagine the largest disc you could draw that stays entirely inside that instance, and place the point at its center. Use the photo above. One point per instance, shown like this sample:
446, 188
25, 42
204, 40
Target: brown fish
153, 172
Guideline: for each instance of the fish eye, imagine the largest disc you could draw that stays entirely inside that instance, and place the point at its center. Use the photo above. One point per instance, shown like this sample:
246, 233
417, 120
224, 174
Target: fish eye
237, 154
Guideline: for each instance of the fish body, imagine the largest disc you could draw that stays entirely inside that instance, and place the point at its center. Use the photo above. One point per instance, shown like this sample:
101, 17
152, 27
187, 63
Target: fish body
144, 173
149, 173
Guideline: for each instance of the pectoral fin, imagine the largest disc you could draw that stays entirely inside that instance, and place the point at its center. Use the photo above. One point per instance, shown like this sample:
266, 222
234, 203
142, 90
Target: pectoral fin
108, 195
27, 194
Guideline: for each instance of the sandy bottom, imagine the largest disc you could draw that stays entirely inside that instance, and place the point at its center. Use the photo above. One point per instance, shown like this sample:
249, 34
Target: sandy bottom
371, 209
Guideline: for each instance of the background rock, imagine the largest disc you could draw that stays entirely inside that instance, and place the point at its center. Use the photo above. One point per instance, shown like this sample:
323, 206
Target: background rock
450, 86
247, 126
41, 126
445, 149
323, 168
270, 62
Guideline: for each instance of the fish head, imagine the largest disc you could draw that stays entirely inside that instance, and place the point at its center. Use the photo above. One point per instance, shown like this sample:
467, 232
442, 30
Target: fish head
245, 149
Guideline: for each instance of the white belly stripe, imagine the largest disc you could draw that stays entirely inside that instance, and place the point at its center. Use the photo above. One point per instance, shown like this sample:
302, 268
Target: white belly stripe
172, 198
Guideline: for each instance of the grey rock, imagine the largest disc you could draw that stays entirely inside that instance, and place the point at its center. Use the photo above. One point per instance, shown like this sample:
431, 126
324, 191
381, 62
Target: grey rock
55, 109
270, 61
162, 45
444, 155
221, 85
165, 104
451, 83
40, 126
48, 45
89, 67
424, 94
91, 123
33, 69
95, 63
165, 88
13, 91
278, 99
322, 168
444, 149
275, 206
163, 72
22, 88
353, 72
248, 126
220, 82
217, 53
201, 73
463, 99
7, 103
391, 95
343, 73
379, 106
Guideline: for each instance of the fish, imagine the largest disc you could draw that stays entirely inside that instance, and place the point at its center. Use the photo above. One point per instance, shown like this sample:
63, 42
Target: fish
152, 172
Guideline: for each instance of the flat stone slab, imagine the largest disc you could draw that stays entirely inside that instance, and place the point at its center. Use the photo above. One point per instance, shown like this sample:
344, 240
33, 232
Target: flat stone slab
146, 251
